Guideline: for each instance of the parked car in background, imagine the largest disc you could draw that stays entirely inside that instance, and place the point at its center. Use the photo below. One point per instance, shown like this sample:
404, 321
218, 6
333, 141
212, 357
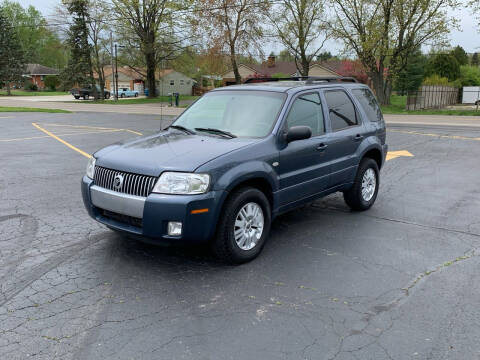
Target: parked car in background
237, 158
126, 92
87, 92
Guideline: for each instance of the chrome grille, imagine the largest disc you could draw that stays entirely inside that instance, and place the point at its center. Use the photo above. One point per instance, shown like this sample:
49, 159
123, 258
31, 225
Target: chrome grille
133, 184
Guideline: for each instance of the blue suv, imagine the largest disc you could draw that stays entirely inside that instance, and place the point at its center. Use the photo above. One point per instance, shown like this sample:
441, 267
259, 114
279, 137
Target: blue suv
238, 157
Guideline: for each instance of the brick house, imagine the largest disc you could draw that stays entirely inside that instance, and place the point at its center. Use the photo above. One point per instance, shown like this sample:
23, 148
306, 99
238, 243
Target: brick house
271, 67
37, 73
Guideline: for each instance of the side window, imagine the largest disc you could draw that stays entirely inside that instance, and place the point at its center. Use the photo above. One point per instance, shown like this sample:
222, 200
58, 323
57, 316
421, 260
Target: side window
172, 82
341, 109
369, 104
307, 111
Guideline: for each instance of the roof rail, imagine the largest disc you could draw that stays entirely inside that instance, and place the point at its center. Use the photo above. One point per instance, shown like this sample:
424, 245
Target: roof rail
307, 79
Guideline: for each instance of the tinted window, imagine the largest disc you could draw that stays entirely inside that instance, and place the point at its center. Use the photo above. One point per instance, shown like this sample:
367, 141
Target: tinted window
307, 111
341, 110
369, 104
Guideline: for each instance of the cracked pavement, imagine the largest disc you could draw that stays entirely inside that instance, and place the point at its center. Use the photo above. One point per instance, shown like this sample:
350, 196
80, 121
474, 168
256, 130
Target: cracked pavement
396, 282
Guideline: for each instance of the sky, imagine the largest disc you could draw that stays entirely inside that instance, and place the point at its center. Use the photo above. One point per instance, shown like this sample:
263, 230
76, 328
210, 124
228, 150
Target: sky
467, 37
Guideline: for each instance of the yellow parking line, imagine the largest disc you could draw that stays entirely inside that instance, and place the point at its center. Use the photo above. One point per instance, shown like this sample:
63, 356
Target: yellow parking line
456, 137
66, 134
62, 141
394, 154
96, 127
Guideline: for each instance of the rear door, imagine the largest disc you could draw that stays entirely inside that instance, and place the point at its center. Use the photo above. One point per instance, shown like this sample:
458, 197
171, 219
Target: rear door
303, 166
346, 135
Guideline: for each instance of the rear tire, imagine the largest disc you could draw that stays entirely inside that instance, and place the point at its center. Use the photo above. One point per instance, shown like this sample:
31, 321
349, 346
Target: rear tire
363, 193
86, 97
237, 241
136, 94
77, 97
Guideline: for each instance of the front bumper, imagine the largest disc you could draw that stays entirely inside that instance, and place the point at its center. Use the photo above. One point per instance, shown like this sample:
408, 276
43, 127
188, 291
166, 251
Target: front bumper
149, 217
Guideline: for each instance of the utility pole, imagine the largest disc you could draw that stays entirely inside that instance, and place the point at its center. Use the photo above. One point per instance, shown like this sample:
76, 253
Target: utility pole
116, 73
113, 67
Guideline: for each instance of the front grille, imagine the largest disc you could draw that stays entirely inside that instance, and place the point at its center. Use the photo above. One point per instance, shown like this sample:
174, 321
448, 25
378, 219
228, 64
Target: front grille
133, 184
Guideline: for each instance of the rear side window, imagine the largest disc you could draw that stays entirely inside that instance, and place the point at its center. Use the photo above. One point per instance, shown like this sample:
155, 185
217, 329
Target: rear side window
369, 104
307, 111
341, 110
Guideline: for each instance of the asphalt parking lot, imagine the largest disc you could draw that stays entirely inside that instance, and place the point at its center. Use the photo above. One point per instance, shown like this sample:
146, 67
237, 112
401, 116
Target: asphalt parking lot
397, 282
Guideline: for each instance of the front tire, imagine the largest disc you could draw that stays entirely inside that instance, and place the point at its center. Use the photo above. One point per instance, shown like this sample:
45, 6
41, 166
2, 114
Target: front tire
243, 226
363, 193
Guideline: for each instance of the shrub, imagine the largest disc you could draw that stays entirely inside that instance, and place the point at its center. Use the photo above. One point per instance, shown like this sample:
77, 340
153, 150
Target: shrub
436, 80
280, 75
30, 86
469, 75
51, 82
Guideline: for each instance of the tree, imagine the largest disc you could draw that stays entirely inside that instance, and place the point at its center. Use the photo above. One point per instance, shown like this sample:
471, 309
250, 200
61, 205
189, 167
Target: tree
353, 68
234, 26
40, 44
51, 82
475, 60
12, 63
149, 30
298, 25
469, 75
79, 68
460, 54
324, 56
410, 78
444, 65
384, 33
285, 55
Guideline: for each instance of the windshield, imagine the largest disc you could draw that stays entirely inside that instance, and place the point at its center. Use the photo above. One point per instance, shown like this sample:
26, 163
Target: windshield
241, 113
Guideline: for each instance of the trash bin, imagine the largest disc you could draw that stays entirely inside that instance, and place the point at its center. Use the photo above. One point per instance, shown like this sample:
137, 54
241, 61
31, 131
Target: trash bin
177, 97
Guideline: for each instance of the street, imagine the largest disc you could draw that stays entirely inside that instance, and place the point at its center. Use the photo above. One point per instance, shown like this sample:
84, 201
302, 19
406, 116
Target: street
399, 281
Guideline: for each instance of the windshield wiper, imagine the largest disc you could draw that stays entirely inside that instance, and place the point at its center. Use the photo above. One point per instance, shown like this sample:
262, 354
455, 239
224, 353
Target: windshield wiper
217, 131
182, 128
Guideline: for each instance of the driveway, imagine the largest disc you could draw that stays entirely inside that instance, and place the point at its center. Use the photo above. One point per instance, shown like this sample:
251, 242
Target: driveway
399, 281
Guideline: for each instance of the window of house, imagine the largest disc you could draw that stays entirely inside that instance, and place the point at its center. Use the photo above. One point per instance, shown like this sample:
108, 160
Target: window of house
188, 82
307, 111
182, 82
369, 104
42, 77
172, 82
341, 110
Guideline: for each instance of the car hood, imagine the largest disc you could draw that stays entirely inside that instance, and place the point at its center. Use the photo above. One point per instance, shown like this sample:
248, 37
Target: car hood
168, 150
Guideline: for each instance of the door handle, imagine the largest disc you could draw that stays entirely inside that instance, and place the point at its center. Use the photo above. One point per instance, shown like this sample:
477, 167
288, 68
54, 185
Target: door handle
322, 147
358, 137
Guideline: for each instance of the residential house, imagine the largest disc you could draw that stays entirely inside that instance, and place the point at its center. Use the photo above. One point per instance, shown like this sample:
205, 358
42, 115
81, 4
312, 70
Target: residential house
272, 67
129, 78
37, 73
170, 81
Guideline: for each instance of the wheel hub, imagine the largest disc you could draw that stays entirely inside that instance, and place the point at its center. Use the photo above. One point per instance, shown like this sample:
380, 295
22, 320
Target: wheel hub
248, 228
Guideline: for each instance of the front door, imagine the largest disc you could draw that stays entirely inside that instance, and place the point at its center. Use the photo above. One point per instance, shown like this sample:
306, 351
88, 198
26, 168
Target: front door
303, 166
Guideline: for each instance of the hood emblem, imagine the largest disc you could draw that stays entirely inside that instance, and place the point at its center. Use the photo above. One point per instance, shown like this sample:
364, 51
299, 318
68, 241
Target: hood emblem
118, 182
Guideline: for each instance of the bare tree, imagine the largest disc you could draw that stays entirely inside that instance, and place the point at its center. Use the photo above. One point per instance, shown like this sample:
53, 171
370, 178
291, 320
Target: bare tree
149, 27
299, 24
235, 26
98, 37
383, 33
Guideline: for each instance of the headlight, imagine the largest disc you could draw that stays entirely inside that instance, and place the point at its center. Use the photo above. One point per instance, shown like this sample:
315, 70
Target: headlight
91, 167
182, 183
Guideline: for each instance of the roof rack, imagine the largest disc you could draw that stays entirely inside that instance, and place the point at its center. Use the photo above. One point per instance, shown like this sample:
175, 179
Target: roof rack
307, 79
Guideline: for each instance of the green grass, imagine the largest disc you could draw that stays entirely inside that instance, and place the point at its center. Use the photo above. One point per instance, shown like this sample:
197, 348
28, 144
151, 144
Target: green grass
398, 104
27, 109
33, 93
160, 99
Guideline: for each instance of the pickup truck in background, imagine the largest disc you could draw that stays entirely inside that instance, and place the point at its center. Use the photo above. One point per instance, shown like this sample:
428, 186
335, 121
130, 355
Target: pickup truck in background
126, 92
87, 92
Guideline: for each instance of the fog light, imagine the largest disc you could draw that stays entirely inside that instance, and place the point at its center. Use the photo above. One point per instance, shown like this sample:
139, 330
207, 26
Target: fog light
174, 228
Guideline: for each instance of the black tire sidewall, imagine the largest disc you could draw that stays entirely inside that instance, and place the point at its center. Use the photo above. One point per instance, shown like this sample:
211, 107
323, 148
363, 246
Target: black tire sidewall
364, 166
230, 212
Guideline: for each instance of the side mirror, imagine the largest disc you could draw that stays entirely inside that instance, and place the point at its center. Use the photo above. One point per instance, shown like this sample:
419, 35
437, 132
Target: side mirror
298, 133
